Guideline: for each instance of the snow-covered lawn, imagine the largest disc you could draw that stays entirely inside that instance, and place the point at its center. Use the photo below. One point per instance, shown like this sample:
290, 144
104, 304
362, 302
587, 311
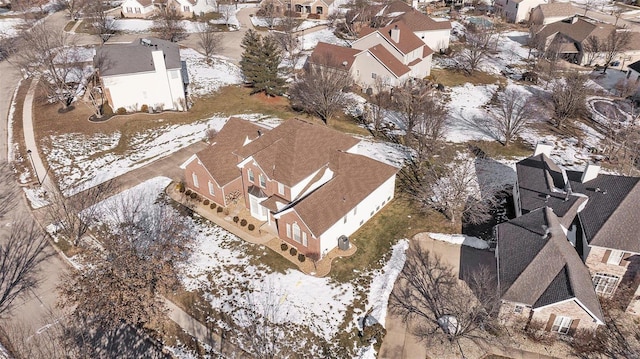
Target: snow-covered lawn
206, 78
310, 41
9, 26
221, 265
460, 239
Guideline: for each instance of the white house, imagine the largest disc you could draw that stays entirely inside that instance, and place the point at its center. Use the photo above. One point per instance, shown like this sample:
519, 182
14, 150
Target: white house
516, 10
188, 8
545, 14
143, 72
138, 8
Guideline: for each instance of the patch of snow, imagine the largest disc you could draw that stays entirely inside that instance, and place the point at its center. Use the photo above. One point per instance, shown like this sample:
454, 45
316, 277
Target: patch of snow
393, 154
460, 239
464, 109
9, 27
206, 78
309, 24
383, 282
36, 196
12, 110
310, 41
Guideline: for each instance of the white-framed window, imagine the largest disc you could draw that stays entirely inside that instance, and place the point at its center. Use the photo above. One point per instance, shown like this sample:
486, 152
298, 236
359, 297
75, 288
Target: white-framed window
518, 309
374, 75
561, 325
296, 233
605, 284
263, 181
250, 174
186, 8
281, 188
211, 189
288, 230
138, 11
194, 177
345, 219
355, 211
129, 10
615, 257
305, 241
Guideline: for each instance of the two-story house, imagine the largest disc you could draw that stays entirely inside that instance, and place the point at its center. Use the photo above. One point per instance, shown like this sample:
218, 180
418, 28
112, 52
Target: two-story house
392, 54
593, 213
305, 181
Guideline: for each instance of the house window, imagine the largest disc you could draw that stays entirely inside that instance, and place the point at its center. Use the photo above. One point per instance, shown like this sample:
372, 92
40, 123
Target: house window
345, 219
288, 230
319, 10
305, 241
129, 9
358, 73
518, 309
296, 233
250, 173
194, 176
185, 8
615, 257
211, 189
280, 188
263, 182
355, 211
605, 284
138, 10
561, 325
374, 75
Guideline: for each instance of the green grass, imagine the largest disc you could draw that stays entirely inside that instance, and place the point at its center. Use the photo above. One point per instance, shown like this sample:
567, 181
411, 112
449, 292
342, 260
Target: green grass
494, 149
399, 219
450, 77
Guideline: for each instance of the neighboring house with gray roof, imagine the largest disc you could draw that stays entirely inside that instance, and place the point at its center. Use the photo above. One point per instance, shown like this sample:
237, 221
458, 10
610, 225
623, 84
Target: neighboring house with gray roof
305, 182
143, 72
139, 8
596, 215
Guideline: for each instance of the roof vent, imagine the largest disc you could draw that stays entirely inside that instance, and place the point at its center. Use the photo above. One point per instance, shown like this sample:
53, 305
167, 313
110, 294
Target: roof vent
547, 231
345, 63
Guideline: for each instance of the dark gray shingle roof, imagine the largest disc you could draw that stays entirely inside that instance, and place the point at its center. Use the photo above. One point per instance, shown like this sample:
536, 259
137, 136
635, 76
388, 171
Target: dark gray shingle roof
135, 57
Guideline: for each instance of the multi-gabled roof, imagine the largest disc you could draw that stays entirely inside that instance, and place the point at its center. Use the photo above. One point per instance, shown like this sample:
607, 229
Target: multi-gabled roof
135, 57
538, 266
335, 56
295, 150
408, 41
577, 29
218, 158
557, 9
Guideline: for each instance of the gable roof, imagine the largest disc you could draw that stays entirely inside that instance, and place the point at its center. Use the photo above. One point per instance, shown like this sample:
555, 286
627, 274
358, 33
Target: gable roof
635, 66
394, 7
295, 149
135, 57
558, 9
537, 265
333, 55
408, 41
417, 21
389, 61
577, 31
355, 177
144, 3
218, 158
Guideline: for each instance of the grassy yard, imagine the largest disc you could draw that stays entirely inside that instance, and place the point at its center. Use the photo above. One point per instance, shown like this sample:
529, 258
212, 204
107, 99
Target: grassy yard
494, 149
450, 77
399, 219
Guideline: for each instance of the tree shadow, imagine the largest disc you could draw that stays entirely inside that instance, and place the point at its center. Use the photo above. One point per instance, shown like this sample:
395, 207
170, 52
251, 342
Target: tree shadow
476, 124
123, 342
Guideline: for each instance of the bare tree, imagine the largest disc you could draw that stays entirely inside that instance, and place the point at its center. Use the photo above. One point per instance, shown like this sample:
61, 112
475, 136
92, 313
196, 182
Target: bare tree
320, 91
450, 188
380, 101
136, 259
288, 40
478, 42
103, 25
226, 12
73, 216
512, 114
617, 42
568, 97
626, 87
270, 12
168, 25
22, 250
209, 40
49, 54
431, 300
73, 7
592, 48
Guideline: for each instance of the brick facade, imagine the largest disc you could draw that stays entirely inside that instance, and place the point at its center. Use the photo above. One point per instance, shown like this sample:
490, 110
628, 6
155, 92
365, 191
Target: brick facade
291, 218
580, 318
204, 178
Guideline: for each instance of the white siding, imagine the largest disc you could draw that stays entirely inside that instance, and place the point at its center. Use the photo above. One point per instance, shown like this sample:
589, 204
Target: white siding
437, 40
162, 87
372, 203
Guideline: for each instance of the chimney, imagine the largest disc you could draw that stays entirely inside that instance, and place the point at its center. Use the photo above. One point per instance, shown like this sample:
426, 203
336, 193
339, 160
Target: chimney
543, 147
395, 34
590, 172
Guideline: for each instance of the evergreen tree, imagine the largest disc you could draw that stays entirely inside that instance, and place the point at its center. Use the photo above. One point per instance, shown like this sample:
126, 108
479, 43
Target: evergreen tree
259, 63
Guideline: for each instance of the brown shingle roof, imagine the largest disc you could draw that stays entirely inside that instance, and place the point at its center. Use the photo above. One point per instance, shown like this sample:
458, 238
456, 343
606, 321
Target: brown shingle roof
218, 158
389, 61
558, 9
333, 55
356, 176
538, 266
408, 40
417, 21
396, 6
295, 149
578, 31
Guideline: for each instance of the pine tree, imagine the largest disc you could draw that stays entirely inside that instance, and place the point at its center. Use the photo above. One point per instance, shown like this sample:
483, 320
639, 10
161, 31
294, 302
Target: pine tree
259, 63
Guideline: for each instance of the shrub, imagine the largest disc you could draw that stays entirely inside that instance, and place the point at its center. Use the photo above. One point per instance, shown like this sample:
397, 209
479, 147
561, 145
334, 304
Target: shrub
236, 219
188, 192
107, 110
284, 246
121, 111
293, 251
301, 257
194, 195
206, 202
180, 187
226, 211
220, 209
251, 227
212, 206
243, 222
144, 108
